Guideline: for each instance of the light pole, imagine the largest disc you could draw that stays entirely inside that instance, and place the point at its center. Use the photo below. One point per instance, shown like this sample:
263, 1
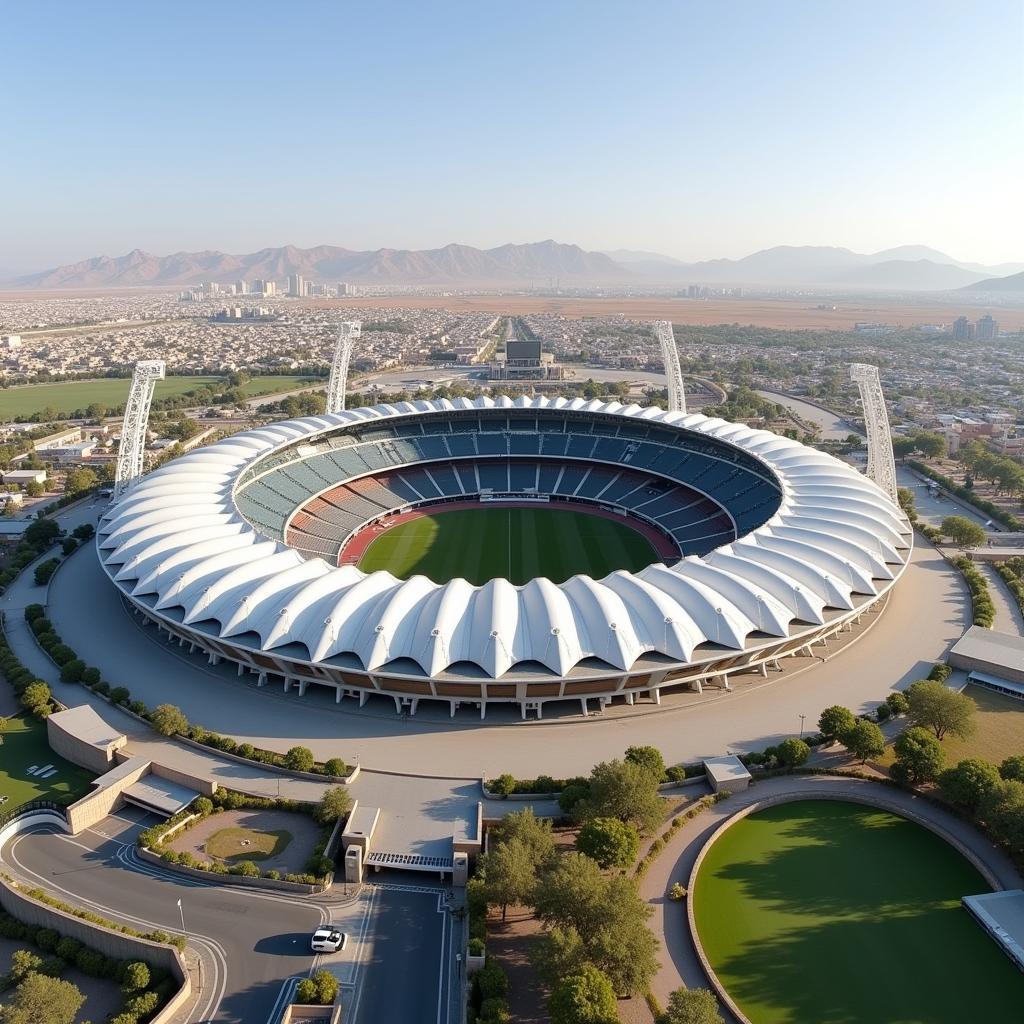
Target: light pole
802, 717
181, 910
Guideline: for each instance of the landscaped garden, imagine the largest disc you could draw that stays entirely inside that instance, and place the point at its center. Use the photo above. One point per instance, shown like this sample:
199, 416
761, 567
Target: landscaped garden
835, 912
30, 770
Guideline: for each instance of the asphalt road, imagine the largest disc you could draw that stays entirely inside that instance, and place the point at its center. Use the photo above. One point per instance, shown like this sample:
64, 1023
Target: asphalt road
253, 946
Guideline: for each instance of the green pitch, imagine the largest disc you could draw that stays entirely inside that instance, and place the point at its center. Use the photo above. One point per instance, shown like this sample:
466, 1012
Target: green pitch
515, 543
840, 914
25, 746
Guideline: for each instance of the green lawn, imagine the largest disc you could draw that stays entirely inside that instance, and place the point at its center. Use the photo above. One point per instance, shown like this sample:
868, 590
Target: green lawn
24, 745
999, 731
515, 543
68, 396
247, 844
839, 914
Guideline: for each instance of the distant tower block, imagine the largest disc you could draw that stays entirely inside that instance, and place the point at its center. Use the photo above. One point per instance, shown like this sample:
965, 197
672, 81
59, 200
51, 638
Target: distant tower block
133, 431
670, 354
347, 336
881, 464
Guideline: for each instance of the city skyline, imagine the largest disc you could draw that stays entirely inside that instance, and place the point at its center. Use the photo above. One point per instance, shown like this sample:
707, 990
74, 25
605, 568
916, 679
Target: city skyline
690, 132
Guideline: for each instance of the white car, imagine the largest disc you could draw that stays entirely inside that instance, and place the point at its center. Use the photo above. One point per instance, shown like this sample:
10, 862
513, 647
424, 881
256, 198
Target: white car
328, 940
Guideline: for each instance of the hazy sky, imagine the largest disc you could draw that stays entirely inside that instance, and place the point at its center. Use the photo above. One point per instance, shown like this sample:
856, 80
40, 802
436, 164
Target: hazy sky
694, 129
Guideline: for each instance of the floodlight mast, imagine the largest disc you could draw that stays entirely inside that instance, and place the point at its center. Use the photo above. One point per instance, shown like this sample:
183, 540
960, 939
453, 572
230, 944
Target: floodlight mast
347, 335
131, 451
881, 463
670, 355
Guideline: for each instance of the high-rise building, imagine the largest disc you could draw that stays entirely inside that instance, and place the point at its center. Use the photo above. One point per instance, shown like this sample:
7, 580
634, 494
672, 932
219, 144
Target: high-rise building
342, 289
211, 288
296, 286
962, 329
986, 329
241, 288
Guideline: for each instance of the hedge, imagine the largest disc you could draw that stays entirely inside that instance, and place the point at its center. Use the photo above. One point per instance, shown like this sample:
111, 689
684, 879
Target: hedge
981, 599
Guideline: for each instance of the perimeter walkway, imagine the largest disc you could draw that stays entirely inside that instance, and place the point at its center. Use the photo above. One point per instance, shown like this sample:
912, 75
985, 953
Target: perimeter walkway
1008, 616
679, 963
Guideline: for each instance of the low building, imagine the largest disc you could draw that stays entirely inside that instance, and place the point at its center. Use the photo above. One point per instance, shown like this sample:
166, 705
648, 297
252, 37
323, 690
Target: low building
24, 477
991, 659
80, 736
726, 774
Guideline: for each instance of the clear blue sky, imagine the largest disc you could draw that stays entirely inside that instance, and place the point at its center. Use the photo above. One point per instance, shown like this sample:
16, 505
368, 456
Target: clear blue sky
694, 129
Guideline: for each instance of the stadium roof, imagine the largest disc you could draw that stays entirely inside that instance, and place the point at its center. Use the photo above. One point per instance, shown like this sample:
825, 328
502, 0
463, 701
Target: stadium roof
177, 539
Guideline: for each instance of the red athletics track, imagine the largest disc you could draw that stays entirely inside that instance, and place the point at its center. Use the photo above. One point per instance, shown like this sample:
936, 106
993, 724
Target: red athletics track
356, 547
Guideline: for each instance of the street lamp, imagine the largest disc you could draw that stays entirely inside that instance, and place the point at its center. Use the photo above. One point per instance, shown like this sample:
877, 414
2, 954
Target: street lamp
802, 717
181, 910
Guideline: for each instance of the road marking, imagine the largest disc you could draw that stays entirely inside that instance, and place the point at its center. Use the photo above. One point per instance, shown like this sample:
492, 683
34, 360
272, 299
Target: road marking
443, 958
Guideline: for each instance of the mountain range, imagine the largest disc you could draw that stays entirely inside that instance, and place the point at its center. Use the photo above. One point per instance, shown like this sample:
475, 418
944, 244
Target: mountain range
906, 268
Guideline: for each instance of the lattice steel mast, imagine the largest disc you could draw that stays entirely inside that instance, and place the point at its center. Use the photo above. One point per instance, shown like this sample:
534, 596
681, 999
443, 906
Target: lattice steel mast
881, 463
347, 335
670, 354
131, 451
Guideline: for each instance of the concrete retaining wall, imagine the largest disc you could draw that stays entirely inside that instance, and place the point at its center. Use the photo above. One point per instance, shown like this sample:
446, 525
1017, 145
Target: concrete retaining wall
105, 941
95, 806
337, 780
30, 820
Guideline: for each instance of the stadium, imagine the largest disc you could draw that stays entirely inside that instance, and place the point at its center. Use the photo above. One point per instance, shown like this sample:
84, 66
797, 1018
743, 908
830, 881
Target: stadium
499, 551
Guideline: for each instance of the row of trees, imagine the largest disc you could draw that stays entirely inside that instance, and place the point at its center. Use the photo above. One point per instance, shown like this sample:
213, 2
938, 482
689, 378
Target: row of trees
1004, 473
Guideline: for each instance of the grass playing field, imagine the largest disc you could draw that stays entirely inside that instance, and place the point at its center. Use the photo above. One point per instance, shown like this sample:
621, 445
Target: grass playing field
24, 746
68, 396
840, 914
515, 543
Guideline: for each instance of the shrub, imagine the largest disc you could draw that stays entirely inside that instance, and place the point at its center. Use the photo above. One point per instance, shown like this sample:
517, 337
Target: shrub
334, 804
136, 977
305, 991
503, 785
476, 947
60, 653
246, 868
142, 1005
612, 843
45, 570
91, 677
335, 766
649, 758
168, 719
299, 759
34, 612
572, 795
319, 865
1013, 768
677, 892
120, 695
36, 695
202, 805
792, 752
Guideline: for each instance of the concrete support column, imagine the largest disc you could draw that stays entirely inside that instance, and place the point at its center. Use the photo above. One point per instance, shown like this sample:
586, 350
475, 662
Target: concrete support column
483, 709
698, 685
583, 707
337, 695
540, 710
214, 658
398, 704
241, 667
287, 684
363, 697
631, 698
522, 710
764, 665
303, 683
261, 679
656, 695
414, 705
452, 706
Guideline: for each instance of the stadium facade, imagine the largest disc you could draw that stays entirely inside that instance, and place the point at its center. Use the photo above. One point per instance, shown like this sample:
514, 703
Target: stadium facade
234, 550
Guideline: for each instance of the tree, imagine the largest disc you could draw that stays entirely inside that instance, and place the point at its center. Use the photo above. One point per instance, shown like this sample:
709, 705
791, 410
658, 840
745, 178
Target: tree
136, 977
23, 963
534, 832
969, 783
692, 1006
299, 759
583, 998
34, 489
571, 893
919, 756
168, 720
792, 752
864, 739
962, 531
1003, 810
834, 721
503, 785
933, 705
335, 766
42, 532
95, 411
623, 790
4, 724
84, 531
1013, 768
334, 804
39, 998
510, 874
79, 480
36, 695
612, 843
649, 758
